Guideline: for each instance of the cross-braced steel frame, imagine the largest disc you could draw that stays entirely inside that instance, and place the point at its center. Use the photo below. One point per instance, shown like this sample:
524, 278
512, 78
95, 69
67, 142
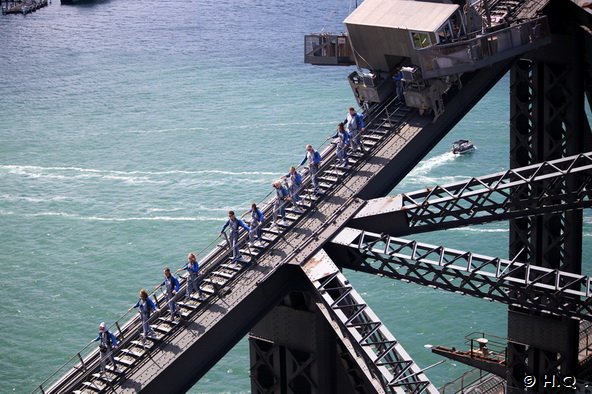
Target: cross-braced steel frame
390, 363
547, 122
491, 197
492, 278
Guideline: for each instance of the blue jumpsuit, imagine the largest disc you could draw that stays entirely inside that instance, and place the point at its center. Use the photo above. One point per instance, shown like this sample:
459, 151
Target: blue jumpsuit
341, 148
280, 203
107, 342
172, 286
354, 124
257, 219
314, 159
233, 238
294, 186
193, 279
145, 308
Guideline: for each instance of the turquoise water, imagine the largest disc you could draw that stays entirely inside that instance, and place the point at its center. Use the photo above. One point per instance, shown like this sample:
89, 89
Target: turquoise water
129, 128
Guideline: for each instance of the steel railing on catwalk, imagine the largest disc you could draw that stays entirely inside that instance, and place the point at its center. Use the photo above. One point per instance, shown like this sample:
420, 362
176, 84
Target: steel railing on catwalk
218, 272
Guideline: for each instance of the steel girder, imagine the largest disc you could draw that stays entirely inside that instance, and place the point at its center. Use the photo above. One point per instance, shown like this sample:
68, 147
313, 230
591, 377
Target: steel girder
538, 289
483, 199
547, 122
382, 352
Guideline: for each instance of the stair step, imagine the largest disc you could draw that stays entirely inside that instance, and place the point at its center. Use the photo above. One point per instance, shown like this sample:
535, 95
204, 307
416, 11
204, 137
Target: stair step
258, 245
103, 377
380, 129
250, 252
168, 320
133, 353
327, 178
231, 266
187, 305
372, 137
223, 274
162, 328
273, 230
335, 172
214, 282
93, 386
194, 297
125, 360
142, 345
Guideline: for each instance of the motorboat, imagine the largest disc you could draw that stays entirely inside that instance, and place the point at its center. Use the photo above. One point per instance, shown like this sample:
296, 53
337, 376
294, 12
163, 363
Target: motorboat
462, 146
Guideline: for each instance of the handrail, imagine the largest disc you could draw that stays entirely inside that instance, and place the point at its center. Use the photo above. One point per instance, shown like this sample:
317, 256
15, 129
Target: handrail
210, 262
482, 49
206, 266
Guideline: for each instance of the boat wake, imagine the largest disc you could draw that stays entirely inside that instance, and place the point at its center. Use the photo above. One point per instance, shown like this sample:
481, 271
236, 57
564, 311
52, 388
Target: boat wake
426, 166
422, 173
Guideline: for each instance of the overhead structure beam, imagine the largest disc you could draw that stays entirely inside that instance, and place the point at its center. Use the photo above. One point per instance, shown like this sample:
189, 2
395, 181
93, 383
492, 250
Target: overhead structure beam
536, 288
483, 199
330, 340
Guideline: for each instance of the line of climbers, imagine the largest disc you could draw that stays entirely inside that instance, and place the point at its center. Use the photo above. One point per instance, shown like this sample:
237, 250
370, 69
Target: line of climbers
287, 190
108, 342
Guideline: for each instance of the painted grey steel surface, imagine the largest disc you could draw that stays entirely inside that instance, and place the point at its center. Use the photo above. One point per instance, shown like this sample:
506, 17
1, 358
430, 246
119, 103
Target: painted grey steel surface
482, 199
491, 278
374, 176
374, 342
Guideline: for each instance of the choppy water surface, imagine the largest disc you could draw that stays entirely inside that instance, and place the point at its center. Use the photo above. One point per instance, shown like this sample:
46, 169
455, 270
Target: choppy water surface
129, 128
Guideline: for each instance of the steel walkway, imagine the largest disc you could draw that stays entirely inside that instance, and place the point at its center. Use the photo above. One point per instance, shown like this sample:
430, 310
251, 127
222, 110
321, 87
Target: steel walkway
239, 294
230, 286
209, 329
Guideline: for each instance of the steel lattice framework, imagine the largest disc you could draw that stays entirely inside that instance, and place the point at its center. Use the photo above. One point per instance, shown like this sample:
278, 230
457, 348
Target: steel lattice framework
508, 281
488, 198
394, 367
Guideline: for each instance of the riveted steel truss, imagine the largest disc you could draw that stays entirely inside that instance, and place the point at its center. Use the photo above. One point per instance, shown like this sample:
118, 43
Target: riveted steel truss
391, 364
532, 287
493, 197
297, 377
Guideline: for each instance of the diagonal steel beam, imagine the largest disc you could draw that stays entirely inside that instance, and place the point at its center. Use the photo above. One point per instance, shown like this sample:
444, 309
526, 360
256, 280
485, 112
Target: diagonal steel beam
371, 340
511, 282
483, 199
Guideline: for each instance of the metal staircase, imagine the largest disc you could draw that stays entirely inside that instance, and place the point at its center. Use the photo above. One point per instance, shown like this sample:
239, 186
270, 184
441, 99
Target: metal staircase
219, 273
252, 288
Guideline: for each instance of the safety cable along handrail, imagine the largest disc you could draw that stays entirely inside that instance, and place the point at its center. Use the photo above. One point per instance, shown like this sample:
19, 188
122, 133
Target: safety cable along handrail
326, 148
86, 351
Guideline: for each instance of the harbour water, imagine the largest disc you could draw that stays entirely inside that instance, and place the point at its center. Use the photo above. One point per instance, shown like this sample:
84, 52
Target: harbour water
129, 128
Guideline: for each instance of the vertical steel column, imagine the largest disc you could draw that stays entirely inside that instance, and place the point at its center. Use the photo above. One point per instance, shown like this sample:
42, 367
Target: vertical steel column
547, 121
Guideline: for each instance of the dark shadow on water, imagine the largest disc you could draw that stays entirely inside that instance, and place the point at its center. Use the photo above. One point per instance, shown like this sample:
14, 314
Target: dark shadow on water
84, 3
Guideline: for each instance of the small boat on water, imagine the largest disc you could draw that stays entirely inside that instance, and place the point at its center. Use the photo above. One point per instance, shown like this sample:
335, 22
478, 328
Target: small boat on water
462, 146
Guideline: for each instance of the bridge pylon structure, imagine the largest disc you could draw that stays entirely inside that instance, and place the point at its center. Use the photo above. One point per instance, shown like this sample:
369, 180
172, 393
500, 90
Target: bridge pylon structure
310, 331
